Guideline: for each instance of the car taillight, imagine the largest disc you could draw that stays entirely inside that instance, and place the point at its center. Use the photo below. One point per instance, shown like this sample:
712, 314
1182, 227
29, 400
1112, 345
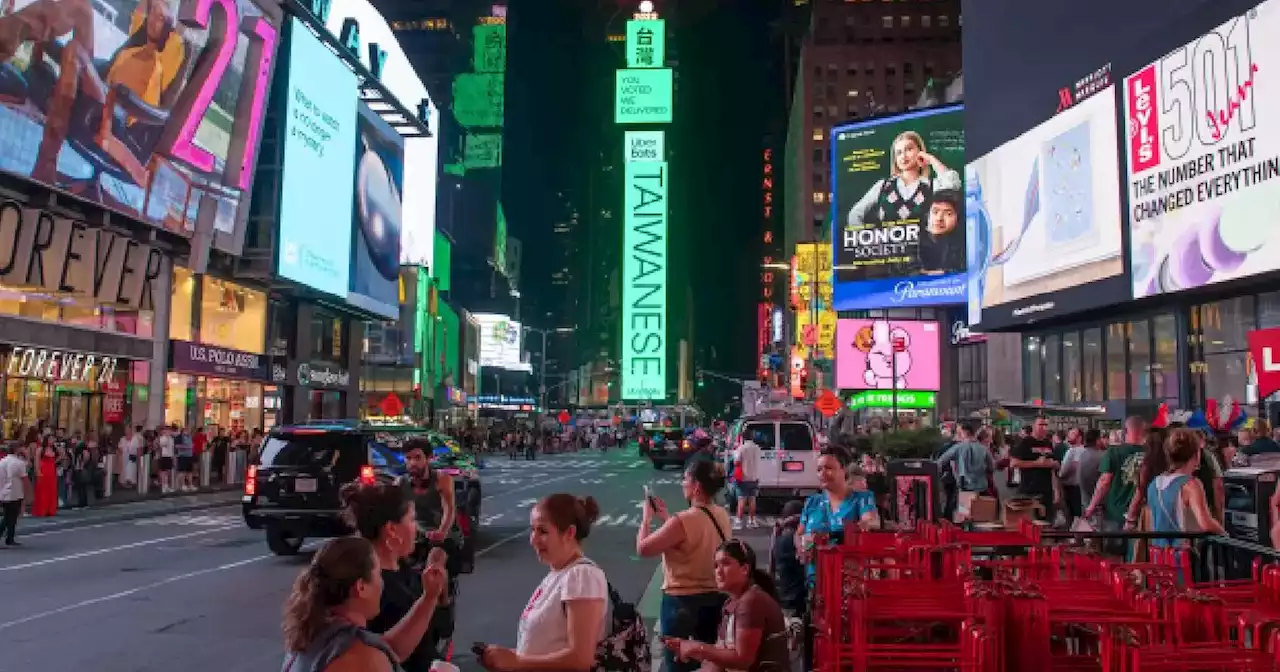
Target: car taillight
366, 475
251, 480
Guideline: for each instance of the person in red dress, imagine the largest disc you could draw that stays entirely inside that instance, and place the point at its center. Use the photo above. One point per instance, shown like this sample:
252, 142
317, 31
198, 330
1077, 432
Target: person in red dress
46, 500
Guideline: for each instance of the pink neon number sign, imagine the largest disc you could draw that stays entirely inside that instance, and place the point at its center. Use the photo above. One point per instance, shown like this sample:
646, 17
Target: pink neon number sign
194, 101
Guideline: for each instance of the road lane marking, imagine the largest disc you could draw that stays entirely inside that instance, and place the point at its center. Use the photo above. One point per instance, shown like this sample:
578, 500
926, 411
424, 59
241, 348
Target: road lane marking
526, 487
133, 591
101, 551
513, 537
39, 530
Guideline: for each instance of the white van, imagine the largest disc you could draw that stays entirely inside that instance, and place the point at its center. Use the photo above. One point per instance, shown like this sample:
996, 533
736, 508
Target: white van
788, 454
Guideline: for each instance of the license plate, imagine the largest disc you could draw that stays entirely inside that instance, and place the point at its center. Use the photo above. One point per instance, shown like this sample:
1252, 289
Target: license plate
304, 485
792, 466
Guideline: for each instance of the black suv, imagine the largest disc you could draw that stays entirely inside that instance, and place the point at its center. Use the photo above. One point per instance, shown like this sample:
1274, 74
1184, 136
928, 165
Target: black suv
293, 493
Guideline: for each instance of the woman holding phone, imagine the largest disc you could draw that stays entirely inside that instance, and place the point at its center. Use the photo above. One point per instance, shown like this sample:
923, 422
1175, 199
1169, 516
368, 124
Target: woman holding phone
687, 542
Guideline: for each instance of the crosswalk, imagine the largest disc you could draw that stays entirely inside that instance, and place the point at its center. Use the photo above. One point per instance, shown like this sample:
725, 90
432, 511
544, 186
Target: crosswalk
193, 520
552, 463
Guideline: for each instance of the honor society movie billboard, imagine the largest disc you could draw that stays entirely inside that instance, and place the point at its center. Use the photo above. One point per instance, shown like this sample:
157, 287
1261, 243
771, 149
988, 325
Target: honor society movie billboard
898, 210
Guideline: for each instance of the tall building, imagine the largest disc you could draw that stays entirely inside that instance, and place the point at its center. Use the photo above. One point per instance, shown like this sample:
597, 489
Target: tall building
858, 59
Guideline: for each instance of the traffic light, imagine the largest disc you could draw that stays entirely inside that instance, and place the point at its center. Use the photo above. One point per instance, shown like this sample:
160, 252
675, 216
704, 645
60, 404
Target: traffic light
702, 382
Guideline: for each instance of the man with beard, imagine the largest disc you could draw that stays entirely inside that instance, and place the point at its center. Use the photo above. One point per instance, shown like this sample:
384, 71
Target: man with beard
433, 503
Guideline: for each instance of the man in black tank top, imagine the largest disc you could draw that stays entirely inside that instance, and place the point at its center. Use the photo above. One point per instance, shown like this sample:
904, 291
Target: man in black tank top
433, 496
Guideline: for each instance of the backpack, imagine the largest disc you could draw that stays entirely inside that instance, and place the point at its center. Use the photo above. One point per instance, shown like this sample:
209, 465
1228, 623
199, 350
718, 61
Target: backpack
626, 646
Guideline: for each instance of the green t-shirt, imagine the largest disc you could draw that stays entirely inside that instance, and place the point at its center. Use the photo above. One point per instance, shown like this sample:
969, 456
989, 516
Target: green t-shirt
1124, 463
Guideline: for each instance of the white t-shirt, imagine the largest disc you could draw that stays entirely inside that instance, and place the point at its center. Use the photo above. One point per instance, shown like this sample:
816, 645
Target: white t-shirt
127, 447
748, 455
165, 444
12, 470
544, 625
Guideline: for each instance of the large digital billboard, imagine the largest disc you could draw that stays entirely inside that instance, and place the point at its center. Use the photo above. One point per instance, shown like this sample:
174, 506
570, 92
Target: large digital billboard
1044, 219
379, 180
152, 108
314, 248
643, 96
898, 210
500, 342
1201, 164
888, 354
421, 154
644, 281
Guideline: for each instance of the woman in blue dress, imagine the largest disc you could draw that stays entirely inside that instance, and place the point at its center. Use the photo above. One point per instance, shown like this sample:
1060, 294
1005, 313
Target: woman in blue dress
843, 500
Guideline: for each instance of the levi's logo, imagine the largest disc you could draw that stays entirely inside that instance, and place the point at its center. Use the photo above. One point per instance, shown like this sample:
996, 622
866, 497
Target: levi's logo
1144, 121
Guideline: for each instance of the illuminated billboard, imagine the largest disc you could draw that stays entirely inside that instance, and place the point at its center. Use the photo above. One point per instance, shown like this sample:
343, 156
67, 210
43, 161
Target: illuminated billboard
898, 210
644, 281
810, 298
314, 248
645, 146
500, 341
1201, 165
643, 96
421, 154
165, 122
1043, 220
646, 43
887, 355
379, 174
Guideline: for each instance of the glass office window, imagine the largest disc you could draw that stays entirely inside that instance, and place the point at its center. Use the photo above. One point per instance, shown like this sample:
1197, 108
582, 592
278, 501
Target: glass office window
1140, 360
1032, 364
1053, 368
1225, 324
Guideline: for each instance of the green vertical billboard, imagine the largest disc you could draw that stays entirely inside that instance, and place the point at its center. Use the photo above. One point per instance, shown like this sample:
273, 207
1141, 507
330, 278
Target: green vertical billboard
644, 282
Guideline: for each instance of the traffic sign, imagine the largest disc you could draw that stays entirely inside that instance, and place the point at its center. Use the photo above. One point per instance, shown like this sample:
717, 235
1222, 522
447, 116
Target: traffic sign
828, 404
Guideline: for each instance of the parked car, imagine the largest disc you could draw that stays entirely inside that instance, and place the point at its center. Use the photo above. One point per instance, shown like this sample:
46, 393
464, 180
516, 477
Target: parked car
669, 447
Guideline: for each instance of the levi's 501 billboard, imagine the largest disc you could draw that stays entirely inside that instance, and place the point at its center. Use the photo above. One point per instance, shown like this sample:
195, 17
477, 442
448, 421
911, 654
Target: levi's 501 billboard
1201, 163
153, 108
898, 210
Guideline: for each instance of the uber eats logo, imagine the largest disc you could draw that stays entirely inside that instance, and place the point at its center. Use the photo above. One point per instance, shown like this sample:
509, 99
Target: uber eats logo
644, 290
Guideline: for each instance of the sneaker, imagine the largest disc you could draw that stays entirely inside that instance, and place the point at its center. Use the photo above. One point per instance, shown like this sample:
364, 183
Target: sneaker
753, 523
737, 523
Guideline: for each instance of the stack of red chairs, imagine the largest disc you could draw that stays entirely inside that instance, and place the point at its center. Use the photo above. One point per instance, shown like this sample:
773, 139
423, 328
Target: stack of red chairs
939, 598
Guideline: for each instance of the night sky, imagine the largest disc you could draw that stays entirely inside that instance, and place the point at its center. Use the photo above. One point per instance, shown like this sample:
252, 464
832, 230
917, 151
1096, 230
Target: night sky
731, 97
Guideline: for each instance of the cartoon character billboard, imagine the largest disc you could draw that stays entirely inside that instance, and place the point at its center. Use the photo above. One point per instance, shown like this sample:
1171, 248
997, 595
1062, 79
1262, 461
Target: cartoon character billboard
887, 354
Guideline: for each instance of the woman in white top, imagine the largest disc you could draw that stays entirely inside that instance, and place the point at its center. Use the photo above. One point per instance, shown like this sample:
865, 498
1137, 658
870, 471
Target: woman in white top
564, 620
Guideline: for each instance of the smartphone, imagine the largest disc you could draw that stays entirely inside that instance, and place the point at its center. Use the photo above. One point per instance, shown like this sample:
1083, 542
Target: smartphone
649, 498
478, 649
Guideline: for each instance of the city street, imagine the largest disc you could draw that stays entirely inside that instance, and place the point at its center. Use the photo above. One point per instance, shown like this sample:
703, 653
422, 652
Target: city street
198, 591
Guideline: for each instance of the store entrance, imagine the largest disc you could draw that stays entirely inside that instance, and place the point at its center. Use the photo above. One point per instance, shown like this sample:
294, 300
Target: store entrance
77, 411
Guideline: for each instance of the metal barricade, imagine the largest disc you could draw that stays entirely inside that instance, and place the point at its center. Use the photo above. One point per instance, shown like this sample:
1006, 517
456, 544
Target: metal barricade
144, 474
206, 468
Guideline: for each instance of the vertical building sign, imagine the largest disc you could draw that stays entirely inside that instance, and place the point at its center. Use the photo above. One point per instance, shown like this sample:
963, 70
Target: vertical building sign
763, 346
644, 237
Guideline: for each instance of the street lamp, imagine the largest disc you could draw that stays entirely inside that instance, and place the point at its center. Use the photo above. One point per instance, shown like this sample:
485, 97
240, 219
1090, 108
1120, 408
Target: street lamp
542, 364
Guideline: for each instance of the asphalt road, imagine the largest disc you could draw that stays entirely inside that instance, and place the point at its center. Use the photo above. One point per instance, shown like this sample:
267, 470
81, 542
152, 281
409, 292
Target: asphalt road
198, 591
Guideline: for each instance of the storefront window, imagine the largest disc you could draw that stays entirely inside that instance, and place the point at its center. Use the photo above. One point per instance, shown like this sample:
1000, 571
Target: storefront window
184, 287
1053, 369
973, 372
1117, 369
1269, 310
1226, 374
1164, 365
1092, 360
77, 311
326, 405
179, 399
1140, 359
1032, 362
1226, 323
233, 316
1071, 367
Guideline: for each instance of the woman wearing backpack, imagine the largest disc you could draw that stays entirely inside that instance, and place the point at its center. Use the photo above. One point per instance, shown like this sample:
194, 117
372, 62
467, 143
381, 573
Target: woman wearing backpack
564, 620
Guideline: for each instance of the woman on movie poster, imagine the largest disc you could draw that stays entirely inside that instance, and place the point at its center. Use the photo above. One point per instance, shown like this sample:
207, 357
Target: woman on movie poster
920, 190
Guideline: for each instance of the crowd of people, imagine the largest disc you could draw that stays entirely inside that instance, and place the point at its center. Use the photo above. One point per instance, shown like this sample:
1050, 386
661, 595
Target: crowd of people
45, 469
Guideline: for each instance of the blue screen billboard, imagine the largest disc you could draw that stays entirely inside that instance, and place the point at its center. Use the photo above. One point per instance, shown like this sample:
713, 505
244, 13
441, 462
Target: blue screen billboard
316, 196
897, 206
379, 180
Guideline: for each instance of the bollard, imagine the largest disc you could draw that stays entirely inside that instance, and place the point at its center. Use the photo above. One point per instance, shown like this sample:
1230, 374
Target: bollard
144, 474
206, 468
108, 475
233, 467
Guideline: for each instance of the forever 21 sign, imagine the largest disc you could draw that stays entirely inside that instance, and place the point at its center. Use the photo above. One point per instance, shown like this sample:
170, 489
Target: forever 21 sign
39, 249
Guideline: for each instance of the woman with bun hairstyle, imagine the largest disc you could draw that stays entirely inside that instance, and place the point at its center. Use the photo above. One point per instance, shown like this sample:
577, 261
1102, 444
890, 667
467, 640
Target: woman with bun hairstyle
753, 630
384, 515
687, 542
564, 621
326, 616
